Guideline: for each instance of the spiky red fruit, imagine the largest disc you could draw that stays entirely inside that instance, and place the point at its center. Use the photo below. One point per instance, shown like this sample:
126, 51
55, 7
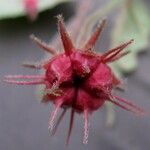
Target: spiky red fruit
31, 8
79, 79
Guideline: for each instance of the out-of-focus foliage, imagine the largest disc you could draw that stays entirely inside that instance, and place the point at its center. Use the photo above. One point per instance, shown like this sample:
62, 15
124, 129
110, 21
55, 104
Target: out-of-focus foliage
131, 23
15, 8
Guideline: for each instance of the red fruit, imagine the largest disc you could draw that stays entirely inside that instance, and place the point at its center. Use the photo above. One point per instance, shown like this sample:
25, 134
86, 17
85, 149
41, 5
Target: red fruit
79, 79
31, 8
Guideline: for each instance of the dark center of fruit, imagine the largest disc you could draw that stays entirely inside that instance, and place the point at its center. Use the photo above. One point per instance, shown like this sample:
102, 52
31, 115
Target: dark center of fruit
77, 81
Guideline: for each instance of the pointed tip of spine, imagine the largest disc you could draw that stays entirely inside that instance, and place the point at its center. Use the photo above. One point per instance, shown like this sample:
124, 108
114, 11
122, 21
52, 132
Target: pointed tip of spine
32, 65
129, 42
70, 126
132, 40
43, 45
116, 53
66, 40
94, 37
53, 116
86, 126
103, 22
60, 17
127, 105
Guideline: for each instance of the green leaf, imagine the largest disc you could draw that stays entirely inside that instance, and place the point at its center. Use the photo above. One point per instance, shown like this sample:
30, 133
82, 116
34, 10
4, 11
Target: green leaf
132, 23
14, 8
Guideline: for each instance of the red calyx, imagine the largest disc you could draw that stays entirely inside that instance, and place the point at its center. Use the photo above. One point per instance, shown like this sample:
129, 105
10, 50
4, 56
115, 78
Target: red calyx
79, 79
